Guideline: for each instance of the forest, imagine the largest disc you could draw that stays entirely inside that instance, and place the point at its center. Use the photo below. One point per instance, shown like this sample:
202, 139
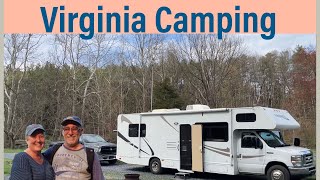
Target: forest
48, 77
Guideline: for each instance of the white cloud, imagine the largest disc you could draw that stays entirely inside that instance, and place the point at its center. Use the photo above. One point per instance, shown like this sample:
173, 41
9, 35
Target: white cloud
256, 45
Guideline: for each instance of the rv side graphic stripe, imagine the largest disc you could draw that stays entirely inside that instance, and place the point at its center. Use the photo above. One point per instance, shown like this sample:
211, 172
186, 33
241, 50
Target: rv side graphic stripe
225, 150
126, 140
168, 123
125, 119
122, 137
247, 157
152, 153
222, 153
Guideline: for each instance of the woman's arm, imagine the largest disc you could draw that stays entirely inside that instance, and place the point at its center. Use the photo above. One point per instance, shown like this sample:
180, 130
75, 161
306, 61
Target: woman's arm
21, 168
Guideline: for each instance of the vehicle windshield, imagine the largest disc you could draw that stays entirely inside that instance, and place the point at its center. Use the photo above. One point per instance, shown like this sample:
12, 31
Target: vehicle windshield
271, 139
92, 138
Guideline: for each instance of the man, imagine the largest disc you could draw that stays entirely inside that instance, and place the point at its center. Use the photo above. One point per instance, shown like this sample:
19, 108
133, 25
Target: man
71, 160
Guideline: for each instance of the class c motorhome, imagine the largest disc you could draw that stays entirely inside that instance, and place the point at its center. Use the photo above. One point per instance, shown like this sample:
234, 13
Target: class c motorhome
226, 141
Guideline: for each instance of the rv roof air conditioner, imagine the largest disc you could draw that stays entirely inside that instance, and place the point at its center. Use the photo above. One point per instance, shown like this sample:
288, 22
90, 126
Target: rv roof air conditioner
197, 107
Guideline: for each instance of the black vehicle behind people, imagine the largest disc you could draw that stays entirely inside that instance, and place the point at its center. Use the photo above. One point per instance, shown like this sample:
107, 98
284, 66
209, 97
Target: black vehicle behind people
105, 150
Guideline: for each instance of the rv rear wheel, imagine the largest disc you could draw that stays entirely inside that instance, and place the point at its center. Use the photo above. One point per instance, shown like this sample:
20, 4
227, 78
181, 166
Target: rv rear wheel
155, 166
278, 172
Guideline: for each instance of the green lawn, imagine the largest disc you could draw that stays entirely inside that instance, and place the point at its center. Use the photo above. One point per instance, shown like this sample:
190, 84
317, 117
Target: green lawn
6, 150
7, 166
310, 178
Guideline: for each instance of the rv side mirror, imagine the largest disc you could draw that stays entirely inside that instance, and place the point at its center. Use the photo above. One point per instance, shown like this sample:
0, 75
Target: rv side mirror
296, 142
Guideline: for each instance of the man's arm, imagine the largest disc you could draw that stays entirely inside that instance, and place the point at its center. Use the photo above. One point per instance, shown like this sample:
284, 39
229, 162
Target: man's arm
47, 155
96, 169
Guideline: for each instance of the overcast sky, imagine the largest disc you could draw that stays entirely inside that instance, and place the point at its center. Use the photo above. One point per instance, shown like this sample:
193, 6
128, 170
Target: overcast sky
258, 46
280, 42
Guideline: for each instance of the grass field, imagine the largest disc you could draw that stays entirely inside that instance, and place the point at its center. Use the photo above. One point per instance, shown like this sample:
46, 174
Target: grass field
7, 166
310, 178
6, 150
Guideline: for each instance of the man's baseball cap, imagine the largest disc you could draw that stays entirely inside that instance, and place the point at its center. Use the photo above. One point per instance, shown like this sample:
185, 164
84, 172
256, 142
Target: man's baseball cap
32, 128
71, 120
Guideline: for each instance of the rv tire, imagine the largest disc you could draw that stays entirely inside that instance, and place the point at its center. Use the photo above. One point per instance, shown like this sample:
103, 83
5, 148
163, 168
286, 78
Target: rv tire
155, 166
278, 172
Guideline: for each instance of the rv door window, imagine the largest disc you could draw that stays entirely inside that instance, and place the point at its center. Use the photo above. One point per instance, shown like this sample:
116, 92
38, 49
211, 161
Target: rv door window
133, 130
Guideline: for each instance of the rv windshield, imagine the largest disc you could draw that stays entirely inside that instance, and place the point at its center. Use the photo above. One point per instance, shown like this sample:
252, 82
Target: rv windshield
271, 139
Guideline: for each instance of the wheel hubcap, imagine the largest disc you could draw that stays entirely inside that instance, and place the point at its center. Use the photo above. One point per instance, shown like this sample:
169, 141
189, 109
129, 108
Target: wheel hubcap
155, 166
277, 175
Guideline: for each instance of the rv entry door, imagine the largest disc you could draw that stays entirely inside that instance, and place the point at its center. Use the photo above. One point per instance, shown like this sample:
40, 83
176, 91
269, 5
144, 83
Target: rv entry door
196, 139
185, 147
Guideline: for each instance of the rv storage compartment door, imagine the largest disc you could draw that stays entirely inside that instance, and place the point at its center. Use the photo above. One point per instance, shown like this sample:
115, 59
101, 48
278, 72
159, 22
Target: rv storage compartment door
196, 139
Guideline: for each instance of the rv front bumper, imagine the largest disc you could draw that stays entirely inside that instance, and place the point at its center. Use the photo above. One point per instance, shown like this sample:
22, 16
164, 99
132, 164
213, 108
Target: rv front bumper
302, 171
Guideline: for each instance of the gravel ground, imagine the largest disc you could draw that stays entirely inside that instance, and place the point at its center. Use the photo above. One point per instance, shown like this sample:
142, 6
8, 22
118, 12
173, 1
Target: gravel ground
118, 171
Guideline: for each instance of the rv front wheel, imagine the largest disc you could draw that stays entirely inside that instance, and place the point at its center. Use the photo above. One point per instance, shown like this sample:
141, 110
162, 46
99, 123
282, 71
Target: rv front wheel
155, 166
278, 172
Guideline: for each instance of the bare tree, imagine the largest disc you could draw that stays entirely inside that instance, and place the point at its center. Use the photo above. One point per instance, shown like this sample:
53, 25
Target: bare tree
71, 51
208, 62
142, 51
98, 51
19, 50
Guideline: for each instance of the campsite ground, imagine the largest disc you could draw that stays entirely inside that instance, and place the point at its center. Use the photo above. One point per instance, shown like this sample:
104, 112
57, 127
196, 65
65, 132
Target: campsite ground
118, 171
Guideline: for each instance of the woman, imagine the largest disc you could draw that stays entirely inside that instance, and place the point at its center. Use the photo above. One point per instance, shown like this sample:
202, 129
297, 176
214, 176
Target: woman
30, 164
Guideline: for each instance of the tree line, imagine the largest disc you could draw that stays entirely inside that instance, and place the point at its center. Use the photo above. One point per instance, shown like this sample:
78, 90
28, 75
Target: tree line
53, 76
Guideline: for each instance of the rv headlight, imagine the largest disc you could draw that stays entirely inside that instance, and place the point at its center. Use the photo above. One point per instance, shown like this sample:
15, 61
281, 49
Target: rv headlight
296, 160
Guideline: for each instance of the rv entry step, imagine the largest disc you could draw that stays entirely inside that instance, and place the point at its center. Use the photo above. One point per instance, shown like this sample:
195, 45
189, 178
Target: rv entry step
182, 175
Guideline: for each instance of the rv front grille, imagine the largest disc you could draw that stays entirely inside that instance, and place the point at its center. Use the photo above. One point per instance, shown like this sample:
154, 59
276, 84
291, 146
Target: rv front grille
308, 159
108, 150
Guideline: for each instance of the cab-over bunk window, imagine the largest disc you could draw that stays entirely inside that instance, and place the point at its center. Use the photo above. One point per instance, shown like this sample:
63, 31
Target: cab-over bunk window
246, 117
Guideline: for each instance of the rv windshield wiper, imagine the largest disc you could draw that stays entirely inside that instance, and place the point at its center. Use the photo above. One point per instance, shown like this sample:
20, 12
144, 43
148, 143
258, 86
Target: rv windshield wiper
283, 145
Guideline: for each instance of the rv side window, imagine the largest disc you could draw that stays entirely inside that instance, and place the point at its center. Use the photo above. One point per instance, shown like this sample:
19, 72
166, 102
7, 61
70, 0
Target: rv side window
217, 132
246, 117
133, 130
